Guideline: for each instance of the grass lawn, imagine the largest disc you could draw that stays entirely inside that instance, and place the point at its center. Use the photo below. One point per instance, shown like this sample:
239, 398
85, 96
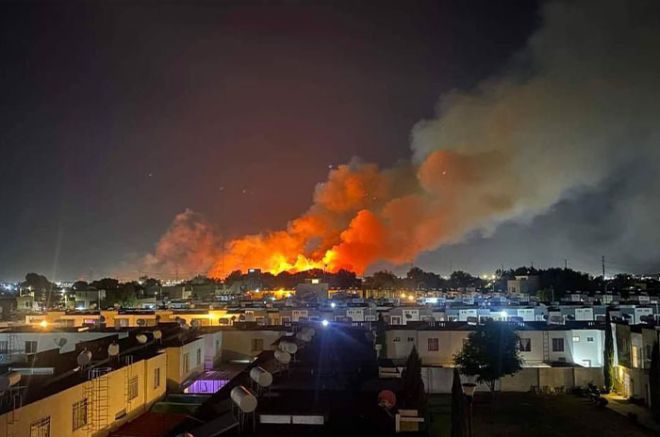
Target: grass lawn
523, 414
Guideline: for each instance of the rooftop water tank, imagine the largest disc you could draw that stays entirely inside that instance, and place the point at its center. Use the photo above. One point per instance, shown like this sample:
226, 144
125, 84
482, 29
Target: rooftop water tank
282, 357
261, 376
289, 347
243, 399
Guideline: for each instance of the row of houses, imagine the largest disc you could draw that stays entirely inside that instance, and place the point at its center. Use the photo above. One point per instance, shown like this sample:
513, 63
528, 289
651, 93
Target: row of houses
341, 311
62, 393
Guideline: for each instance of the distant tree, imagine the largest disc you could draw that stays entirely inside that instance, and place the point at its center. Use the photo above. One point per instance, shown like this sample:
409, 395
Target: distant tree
105, 284
461, 279
417, 278
124, 295
40, 285
490, 353
381, 336
458, 418
37, 283
148, 282
235, 276
654, 382
345, 279
80, 285
382, 280
608, 352
413, 386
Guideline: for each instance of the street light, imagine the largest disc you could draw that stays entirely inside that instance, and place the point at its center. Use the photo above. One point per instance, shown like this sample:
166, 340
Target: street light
468, 391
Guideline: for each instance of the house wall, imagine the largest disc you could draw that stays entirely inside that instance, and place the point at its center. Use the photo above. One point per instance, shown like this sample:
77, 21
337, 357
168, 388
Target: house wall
46, 340
237, 344
176, 372
59, 407
439, 379
212, 348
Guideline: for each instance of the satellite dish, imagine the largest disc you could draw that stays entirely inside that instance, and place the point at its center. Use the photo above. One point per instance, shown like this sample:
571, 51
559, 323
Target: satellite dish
386, 399
195, 323
84, 358
8, 380
158, 334
141, 338
101, 319
141, 322
60, 341
113, 350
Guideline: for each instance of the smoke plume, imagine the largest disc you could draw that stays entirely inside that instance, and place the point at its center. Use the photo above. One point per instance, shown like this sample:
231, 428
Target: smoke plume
574, 109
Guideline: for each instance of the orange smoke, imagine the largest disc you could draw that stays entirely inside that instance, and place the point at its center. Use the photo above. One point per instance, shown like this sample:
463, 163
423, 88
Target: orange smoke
554, 126
331, 235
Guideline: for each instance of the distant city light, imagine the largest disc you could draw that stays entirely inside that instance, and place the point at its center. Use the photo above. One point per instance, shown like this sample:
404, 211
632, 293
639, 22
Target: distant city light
411, 298
325, 322
503, 314
333, 304
43, 324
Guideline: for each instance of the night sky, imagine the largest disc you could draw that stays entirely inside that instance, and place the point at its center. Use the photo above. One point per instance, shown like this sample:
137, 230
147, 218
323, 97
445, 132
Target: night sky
116, 116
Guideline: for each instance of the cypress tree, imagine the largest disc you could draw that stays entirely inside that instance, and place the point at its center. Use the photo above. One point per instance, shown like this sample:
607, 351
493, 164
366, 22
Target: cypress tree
458, 425
381, 336
608, 362
413, 386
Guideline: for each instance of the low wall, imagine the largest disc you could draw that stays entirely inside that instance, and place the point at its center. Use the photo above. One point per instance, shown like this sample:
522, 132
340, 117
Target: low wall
438, 380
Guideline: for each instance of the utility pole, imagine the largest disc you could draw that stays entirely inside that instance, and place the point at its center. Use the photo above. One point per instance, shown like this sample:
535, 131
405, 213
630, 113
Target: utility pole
565, 264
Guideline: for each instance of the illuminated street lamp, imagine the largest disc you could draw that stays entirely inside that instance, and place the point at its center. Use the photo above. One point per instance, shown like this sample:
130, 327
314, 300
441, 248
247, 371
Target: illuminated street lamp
324, 323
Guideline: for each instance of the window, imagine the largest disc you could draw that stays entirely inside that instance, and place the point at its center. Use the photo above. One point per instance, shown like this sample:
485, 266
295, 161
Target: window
186, 362
557, 345
79, 414
199, 357
157, 377
590, 339
395, 320
525, 345
133, 388
396, 339
411, 338
433, 345
31, 348
4, 347
257, 345
40, 428
120, 414
576, 339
